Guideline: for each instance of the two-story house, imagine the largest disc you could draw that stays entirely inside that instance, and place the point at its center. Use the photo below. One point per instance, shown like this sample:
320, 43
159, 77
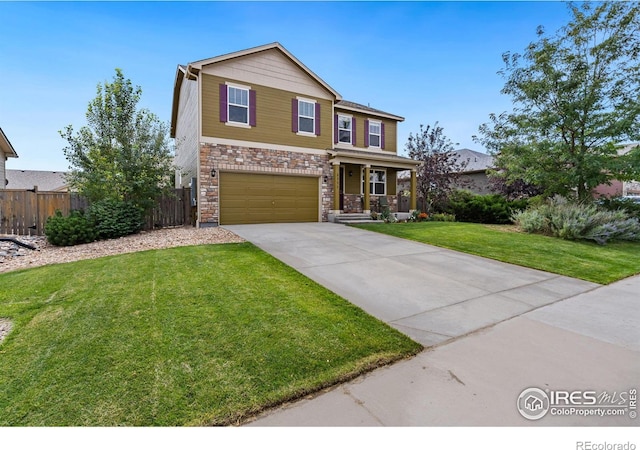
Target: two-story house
261, 138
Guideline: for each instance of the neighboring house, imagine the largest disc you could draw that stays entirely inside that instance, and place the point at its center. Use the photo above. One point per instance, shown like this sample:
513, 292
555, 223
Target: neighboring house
473, 177
6, 152
265, 139
42, 179
617, 188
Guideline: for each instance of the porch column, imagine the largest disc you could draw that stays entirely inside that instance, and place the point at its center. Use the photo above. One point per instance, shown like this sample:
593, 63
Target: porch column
336, 187
367, 194
414, 198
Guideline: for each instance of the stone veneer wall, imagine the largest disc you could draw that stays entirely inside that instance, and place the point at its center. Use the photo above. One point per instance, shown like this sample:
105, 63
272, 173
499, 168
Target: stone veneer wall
259, 160
392, 201
353, 203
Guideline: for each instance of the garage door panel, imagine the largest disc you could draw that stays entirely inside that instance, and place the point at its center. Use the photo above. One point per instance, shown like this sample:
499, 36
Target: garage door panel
266, 198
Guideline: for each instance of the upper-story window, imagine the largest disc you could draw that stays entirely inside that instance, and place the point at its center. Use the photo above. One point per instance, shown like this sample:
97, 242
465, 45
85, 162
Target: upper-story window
306, 116
238, 105
375, 134
344, 129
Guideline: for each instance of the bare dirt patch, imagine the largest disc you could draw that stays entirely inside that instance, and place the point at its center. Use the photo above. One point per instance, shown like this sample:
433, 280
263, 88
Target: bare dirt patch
505, 228
5, 328
150, 240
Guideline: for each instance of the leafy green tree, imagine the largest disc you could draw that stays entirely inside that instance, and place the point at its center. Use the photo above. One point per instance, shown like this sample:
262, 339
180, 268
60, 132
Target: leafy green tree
123, 152
439, 173
575, 95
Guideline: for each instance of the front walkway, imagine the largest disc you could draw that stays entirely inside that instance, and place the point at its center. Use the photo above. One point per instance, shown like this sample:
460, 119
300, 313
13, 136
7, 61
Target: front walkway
429, 293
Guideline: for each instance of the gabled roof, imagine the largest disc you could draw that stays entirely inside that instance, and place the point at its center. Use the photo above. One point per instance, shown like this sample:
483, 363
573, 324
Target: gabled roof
357, 107
45, 180
198, 65
191, 71
6, 147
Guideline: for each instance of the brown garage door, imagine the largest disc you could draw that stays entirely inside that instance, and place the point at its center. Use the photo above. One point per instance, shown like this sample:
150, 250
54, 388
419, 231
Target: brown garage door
263, 198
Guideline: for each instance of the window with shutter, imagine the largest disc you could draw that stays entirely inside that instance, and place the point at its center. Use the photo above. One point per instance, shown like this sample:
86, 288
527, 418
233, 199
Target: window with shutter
237, 105
375, 134
305, 117
344, 129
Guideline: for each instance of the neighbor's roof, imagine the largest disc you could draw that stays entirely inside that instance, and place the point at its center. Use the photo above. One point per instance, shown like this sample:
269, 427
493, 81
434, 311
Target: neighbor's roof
352, 106
476, 161
45, 180
6, 147
628, 147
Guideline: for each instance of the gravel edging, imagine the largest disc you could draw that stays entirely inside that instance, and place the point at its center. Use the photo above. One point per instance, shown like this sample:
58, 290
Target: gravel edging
149, 240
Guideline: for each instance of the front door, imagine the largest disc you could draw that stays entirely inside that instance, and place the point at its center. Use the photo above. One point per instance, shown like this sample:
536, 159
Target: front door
341, 188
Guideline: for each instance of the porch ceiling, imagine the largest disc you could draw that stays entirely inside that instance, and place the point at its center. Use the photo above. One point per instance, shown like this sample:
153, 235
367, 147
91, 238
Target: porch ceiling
371, 158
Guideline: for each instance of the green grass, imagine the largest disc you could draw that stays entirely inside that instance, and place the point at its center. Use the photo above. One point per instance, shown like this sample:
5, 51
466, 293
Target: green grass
577, 259
186, 336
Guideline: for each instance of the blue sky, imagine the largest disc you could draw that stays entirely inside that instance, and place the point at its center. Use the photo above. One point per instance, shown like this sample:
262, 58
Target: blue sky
425, 61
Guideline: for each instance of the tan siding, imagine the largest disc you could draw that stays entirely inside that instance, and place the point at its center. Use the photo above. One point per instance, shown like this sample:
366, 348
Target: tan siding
273, 117
187, 136
269, 68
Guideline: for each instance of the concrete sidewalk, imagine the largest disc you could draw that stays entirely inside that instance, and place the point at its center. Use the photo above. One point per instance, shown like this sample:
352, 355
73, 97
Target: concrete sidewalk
510, 340
590, 342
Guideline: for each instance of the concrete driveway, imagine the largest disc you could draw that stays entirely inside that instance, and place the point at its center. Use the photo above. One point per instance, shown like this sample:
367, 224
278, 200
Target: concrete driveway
431, 294
589, 341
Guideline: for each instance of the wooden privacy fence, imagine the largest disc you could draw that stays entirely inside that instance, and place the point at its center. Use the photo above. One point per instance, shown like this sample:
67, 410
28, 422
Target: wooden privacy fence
25, 212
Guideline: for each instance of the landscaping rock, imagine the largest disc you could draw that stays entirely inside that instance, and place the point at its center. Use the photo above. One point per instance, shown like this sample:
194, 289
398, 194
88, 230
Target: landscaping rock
13, 257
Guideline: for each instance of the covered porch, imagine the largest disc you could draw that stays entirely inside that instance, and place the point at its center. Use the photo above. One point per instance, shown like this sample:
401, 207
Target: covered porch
365, 181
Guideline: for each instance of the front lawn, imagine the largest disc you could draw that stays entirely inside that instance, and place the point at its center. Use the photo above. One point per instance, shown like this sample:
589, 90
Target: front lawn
184, 336
577, 259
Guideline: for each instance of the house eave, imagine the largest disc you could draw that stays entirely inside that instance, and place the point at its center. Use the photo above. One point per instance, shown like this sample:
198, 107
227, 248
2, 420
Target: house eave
177, 85
371, 158
274, 45
6, 147
370, 113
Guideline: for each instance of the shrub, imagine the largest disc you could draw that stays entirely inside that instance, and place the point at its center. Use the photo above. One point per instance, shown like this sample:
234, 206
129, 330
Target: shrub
114, 219
443, 217
530, 220
469, 207
574, 221
73, 229
620, 203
